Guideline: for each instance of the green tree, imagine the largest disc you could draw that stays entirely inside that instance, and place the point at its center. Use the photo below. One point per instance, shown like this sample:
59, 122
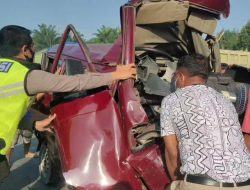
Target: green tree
230, 40
244, 37
105, 35
45, 37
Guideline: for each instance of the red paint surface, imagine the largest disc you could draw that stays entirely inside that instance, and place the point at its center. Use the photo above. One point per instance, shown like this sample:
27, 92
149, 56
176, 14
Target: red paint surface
246, 122
91, 139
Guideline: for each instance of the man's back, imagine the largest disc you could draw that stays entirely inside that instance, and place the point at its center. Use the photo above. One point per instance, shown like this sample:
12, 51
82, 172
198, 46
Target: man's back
209, 133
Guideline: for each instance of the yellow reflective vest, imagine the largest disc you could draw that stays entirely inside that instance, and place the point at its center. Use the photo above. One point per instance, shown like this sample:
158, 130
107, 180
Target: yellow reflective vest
13, 99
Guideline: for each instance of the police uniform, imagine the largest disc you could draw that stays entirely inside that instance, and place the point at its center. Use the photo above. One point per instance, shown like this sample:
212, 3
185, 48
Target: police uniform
14, 102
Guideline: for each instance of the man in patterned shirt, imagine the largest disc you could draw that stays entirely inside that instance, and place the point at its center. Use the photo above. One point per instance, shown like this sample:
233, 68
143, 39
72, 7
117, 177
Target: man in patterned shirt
202, 134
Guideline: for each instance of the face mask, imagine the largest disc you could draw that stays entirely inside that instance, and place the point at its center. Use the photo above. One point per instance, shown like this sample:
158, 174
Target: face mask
30, 59
173, 85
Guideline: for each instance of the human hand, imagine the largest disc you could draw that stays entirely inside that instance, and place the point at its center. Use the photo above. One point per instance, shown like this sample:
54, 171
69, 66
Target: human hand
58, 71
44, 125
39, 96
124, 72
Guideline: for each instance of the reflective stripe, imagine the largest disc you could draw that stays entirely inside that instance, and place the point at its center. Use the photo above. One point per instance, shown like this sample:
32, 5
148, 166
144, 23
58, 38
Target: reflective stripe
12, 99
14, 92
10, 86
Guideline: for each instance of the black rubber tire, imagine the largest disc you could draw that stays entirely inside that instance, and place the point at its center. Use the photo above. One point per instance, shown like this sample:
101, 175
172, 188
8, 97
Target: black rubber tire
242, 98
49, 169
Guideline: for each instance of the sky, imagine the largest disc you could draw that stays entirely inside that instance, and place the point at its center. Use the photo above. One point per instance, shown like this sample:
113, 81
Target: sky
89, 15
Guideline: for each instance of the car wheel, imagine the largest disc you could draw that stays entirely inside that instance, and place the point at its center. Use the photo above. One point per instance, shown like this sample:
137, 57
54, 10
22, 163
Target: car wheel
49, 169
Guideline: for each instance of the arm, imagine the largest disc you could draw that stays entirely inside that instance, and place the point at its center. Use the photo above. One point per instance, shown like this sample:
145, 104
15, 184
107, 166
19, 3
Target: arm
171, 144
172, 157
41, 81
27, 123
40, 96
44, 125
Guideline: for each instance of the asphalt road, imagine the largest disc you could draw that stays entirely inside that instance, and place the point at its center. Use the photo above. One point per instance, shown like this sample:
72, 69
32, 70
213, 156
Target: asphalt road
24, 172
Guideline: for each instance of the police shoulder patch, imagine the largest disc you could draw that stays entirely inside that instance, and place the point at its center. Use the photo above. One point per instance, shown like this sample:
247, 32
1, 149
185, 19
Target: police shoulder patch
5, 66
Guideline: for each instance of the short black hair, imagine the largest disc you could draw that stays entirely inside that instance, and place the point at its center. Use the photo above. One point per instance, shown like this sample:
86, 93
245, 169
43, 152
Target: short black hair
12, 39
196, 65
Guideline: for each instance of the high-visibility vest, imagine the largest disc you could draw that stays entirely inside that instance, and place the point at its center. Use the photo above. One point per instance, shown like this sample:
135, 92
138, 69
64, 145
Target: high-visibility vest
13, 99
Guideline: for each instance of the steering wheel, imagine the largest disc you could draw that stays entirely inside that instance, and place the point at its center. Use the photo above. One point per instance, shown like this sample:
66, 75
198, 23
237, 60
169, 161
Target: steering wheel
153, 50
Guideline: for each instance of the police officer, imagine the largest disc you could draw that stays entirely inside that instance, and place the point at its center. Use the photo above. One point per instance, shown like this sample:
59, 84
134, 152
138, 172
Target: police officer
20, 79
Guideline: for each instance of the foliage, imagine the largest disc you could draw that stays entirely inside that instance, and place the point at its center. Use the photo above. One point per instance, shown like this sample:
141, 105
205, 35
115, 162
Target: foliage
244, 37
105, 35
234, 40
229, 40
45, 37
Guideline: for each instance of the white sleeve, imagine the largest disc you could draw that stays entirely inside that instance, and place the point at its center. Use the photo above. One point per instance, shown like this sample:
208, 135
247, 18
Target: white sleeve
166, 118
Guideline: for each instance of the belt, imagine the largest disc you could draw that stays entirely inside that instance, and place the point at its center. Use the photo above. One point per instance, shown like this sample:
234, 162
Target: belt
204, 180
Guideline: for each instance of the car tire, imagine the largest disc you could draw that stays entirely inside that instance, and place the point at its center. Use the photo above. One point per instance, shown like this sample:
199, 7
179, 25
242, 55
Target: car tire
49, 169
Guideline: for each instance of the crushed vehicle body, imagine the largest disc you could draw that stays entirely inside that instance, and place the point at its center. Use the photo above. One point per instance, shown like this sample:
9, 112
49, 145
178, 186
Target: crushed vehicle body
109, 137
